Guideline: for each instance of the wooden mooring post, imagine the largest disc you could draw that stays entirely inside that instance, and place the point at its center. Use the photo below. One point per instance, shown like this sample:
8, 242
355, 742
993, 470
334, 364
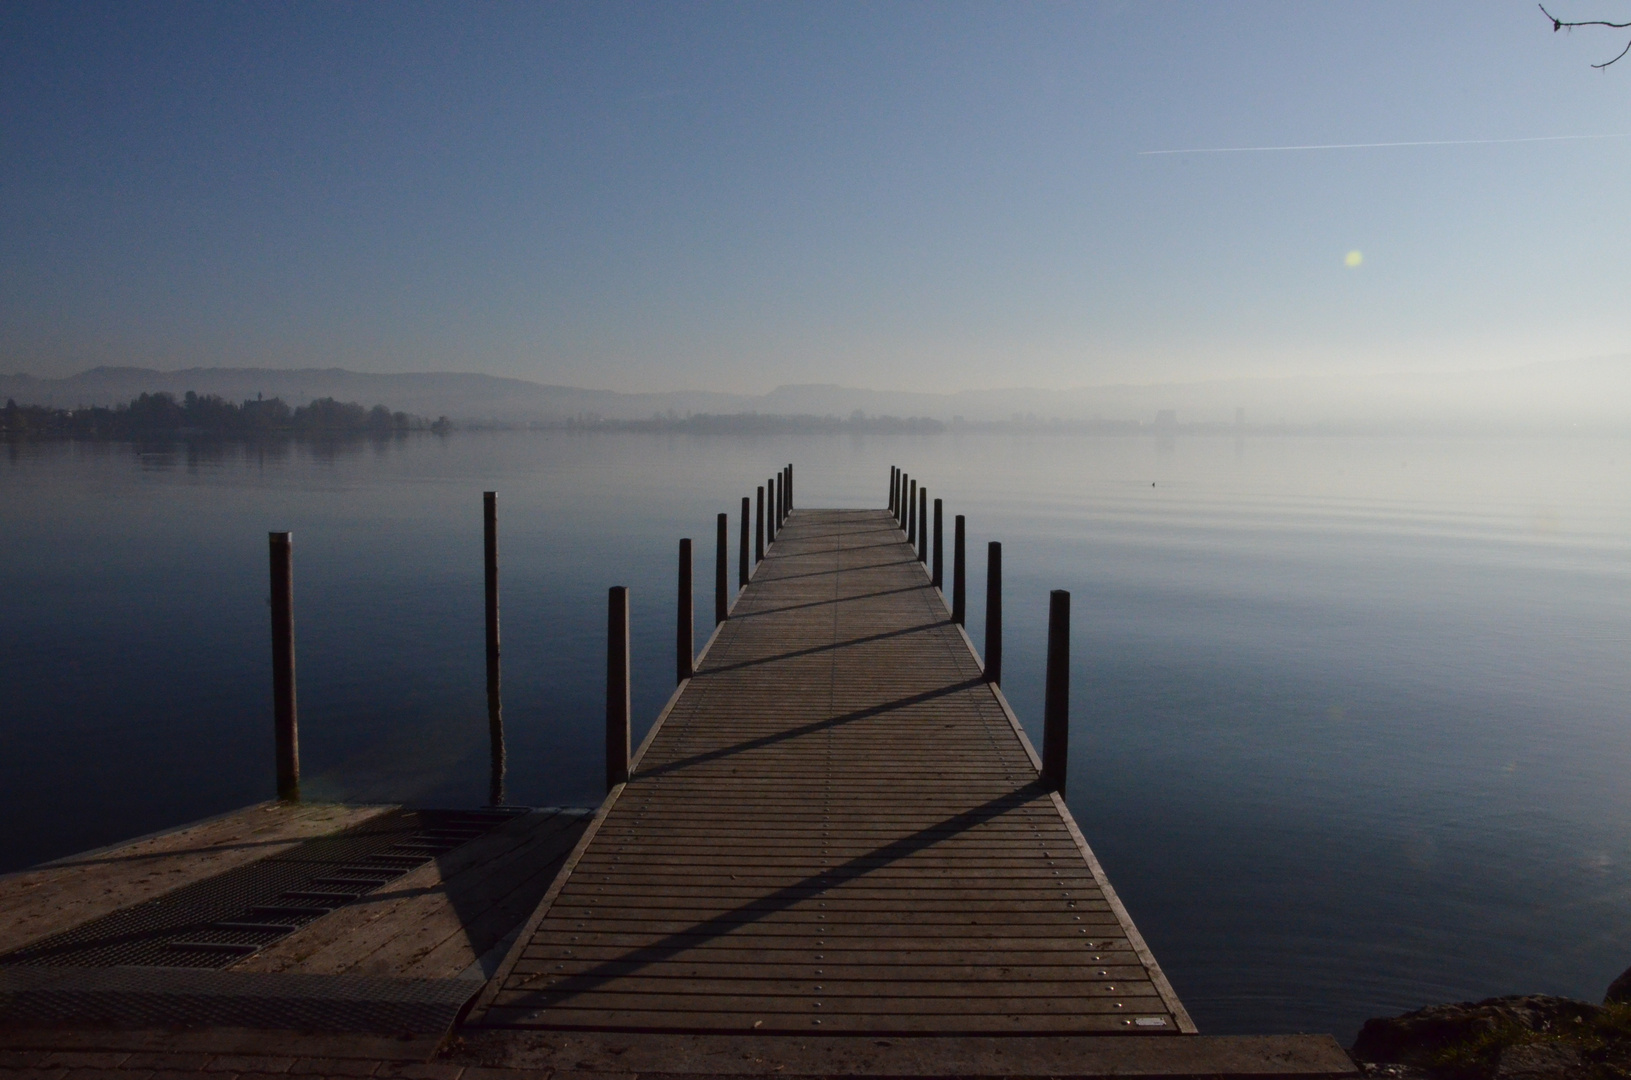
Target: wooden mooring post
285, 722
789, 487
939, 574
770, 507
617, 686
759, 530
1056, 701
722, 569
743, 566
923, 526
911, 512
959, 575
894, 497
993, 612
900, 512
495, 700
685, 619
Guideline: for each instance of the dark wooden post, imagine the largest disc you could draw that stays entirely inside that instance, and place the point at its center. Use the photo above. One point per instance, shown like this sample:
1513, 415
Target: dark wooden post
770, 508
742, 563
617, 686
759, 530
285, 722
894, 474
722, 569
495, 701
781, 498
923, 525
900, 513
911, 512
1056, 703
789, 487
939, 547
959, 572
993, 612
685, 621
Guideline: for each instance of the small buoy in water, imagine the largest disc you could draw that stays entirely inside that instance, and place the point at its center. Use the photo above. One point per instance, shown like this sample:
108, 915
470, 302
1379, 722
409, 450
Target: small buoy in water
1152, 483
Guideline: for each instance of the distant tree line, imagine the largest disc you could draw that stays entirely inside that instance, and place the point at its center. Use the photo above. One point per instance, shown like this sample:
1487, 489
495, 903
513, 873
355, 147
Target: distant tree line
210, 416
753, 423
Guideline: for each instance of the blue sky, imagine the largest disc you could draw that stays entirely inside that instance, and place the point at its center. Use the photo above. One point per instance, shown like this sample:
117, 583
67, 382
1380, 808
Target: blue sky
901, 195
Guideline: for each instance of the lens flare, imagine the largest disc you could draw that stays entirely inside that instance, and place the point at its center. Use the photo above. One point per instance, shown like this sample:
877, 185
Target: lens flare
1354, 258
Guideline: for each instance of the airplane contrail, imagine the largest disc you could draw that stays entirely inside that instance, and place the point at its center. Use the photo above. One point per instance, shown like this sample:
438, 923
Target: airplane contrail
1379, 145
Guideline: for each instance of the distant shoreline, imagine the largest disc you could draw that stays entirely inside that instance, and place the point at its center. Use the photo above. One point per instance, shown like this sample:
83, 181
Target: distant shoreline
207, 416
194, 417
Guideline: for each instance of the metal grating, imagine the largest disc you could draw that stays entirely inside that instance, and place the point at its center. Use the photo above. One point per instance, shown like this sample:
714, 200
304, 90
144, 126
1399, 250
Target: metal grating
218, 921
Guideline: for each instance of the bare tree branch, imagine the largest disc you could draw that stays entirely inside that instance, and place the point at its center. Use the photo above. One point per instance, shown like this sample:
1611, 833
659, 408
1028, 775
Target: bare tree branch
1559, 24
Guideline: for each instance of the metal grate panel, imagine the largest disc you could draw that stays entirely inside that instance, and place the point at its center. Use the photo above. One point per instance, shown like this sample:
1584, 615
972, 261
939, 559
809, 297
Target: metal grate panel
218, 921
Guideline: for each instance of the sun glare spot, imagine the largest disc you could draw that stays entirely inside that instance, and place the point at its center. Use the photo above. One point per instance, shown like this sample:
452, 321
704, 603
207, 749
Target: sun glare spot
1354, 258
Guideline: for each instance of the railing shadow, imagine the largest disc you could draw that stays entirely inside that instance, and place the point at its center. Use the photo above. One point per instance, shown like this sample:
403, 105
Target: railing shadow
671, 945
833, 600
810, 728
814, 649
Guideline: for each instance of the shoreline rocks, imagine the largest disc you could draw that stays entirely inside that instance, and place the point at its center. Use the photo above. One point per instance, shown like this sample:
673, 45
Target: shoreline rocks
1525, 1037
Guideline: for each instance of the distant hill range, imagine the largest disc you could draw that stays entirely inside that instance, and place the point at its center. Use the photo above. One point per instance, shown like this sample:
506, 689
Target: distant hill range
1590, 393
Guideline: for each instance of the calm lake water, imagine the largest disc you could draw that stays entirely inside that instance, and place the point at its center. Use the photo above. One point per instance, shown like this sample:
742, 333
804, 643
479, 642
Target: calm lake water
1350, 720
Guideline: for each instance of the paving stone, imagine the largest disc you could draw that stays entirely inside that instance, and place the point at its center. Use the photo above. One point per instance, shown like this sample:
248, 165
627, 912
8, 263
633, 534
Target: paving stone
88, 1059
396, 1070
168, 1061
334, 1067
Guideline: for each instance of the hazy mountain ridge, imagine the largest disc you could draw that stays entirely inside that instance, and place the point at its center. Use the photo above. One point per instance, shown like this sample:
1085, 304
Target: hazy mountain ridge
1592, 392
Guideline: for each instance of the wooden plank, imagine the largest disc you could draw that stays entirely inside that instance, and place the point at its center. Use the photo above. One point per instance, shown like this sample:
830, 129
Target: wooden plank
58, 896
835, 815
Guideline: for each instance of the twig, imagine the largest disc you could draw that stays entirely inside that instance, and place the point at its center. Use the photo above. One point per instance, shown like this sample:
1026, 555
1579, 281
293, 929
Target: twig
1558, 24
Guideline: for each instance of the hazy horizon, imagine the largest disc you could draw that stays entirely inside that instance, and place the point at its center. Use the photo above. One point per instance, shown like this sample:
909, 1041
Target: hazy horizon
735, 198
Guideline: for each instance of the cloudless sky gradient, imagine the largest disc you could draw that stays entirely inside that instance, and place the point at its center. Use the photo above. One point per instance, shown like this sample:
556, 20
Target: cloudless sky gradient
735, 196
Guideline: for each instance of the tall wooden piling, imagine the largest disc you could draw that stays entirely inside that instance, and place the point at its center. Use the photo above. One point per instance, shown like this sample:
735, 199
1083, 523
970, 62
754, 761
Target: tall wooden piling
911, 512
722, 569
759, 530
285, 722
959, 571
495, 700
894, 474
923, 526
743, 566
685, 620
901, 512
993, 612
1056, 701
789, 472
617, 686
770, 511
939, 573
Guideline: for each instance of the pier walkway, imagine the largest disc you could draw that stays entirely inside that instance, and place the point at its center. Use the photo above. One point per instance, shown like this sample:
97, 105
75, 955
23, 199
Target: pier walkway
835, 827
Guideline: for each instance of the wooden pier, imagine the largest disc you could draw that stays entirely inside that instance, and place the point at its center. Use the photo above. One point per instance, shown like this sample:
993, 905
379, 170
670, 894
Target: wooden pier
836, 853
836, 826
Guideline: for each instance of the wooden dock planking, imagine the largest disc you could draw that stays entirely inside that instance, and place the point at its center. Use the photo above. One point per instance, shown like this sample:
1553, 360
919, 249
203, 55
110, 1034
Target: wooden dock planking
836, 827
58, 896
